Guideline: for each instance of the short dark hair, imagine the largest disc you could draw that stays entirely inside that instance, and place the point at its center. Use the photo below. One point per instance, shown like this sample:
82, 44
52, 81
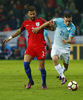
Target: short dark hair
31, 8
67, 15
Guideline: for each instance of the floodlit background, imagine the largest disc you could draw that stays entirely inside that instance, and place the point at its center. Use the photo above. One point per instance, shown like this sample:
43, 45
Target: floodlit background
14, 12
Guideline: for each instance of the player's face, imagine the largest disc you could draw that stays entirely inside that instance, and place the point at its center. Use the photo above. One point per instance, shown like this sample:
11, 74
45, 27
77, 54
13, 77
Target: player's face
32, 15
67, 21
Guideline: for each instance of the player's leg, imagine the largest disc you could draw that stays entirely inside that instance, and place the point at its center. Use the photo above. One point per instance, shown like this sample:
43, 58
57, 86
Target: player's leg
57, 66
65, 67
55, 55
28, 57
40, 52
65, 58
43, 73
27, 60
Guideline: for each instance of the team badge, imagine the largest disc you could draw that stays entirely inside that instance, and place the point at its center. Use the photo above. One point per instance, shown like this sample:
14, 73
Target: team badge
68, 28
37, 24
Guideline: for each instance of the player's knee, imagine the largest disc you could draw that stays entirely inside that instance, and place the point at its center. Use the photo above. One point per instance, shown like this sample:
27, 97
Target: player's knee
41, 67
55, 59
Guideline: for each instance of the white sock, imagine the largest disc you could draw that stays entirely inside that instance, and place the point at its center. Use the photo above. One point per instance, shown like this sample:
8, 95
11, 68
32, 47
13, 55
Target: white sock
59, 70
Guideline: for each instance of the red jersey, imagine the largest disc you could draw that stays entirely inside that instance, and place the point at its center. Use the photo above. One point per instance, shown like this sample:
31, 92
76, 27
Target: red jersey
34, 39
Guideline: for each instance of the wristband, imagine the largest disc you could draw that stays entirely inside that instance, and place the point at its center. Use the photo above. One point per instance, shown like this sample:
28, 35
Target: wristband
10, 37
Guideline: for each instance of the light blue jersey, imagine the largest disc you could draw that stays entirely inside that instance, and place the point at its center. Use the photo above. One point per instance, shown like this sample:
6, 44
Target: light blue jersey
63, 32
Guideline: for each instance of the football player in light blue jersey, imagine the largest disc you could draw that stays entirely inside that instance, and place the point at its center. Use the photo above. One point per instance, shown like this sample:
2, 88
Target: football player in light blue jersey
63, 32
63, 36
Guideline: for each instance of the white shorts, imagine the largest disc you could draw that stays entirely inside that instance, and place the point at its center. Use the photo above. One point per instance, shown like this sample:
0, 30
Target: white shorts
63, 54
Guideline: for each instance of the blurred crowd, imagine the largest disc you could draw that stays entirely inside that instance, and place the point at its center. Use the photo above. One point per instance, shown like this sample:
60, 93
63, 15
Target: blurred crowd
14, 12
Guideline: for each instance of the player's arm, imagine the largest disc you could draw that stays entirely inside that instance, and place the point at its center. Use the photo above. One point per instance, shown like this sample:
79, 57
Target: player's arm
14, 35
71, 35
36, 30
49, 24
67, 41
19, 31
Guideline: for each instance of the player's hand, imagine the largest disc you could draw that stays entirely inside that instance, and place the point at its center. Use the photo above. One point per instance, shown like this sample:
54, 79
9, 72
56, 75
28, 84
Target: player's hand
35, 30
51, 23
63, 41
6, 40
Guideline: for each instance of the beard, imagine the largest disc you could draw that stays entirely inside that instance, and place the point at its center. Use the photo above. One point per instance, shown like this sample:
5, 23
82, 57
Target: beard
32, 18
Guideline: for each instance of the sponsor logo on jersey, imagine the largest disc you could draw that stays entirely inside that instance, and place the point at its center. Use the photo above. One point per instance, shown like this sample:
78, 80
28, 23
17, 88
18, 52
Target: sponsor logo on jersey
32, 27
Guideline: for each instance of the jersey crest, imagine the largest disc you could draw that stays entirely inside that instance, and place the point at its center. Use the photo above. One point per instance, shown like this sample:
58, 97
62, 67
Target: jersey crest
68, 28
37, 24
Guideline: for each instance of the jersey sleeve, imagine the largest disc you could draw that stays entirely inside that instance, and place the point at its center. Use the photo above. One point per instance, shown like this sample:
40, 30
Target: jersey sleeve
72, 32
57, 20
22, 28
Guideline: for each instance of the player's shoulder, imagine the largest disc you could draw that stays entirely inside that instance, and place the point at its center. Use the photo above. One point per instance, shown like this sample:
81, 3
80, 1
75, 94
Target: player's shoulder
73, 26
58, 20
26, 21
40, 18
43, 20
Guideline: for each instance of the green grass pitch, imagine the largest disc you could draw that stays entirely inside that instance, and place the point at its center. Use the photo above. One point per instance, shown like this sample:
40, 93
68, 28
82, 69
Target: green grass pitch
13, 80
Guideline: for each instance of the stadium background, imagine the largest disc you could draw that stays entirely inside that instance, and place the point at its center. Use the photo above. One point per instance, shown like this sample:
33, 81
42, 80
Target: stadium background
14, 12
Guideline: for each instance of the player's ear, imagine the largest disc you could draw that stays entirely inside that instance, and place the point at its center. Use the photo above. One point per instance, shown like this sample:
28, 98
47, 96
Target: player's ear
35, 13
28, 13
71, 19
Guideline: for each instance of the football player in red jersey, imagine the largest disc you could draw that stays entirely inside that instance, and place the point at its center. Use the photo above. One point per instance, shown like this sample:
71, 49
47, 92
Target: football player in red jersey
35, 47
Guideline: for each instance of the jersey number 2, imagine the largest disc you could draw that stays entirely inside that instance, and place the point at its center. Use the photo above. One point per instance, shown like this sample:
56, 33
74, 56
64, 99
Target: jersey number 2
62, 33
43, 54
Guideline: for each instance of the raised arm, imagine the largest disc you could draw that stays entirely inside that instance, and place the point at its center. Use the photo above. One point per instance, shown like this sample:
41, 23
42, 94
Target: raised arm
49, 24
14, 35
36, 30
